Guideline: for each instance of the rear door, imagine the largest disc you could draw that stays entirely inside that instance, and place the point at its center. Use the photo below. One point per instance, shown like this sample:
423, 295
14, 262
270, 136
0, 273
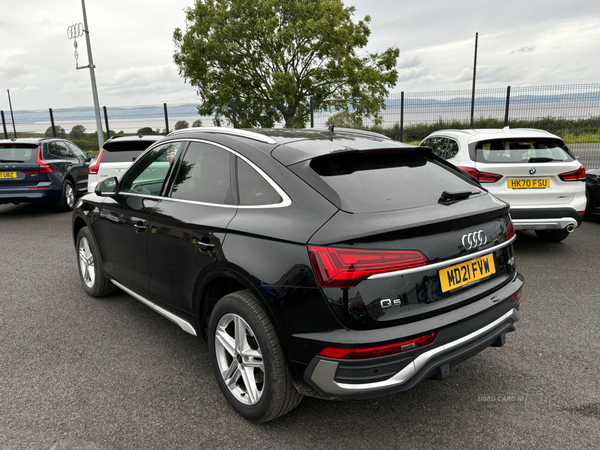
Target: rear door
187, 227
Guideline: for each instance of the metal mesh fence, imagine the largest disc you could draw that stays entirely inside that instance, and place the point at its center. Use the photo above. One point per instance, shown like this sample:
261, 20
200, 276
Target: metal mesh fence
570, 111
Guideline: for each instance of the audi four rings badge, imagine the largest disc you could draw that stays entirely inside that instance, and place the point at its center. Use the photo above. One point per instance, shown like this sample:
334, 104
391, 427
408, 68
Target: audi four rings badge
532, 170
474, 240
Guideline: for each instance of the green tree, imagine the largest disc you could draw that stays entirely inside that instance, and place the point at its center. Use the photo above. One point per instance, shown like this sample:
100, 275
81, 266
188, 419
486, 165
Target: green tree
270, 56
197, 123
181, 124
60, 132
146, 131
345, 119
77, 132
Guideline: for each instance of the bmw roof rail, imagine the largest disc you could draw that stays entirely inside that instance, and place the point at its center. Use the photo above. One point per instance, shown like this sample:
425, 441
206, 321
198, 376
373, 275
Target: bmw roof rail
231, 131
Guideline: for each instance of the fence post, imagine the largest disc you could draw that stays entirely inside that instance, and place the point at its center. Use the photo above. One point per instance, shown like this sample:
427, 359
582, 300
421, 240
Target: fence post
233, 114
166, 118
52, 122
312, 111
4, 125
507, 106
106, 121
402, 116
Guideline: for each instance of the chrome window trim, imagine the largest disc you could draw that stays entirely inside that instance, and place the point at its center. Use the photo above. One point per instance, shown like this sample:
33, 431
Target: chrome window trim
442, 264
231, 131
184, 325
286, 200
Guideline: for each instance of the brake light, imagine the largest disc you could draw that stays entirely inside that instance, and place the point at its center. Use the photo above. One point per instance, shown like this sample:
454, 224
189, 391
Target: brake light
93, 169
345, 267
510, 230
376, 352
482, 177
575, 175
44, 166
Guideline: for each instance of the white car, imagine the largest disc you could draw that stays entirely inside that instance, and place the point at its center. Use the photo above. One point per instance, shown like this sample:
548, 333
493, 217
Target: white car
532, 170
117, 154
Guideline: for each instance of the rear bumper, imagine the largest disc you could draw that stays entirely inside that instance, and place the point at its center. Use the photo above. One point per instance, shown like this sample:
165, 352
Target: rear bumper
359, 379
27, 195
545, 219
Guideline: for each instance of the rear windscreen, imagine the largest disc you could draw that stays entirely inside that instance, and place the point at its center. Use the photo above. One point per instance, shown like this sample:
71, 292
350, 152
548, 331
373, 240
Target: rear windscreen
521, 151
124, 150
18, 153
120, 156
377, 182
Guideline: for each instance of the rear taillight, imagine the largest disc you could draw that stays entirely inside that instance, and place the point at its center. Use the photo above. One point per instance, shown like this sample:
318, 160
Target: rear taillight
482, 177
344, 267
510, 230
575, 175
44, 166
93, 168
376, 352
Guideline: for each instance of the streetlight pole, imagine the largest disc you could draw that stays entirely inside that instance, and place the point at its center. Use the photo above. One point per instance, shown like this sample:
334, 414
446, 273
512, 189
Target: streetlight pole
474, 74
73, 32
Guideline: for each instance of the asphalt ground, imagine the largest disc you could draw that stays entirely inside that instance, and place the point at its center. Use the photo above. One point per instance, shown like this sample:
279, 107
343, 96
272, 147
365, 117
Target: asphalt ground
91, 374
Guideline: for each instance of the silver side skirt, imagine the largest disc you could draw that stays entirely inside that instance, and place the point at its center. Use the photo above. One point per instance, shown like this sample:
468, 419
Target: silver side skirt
185, 326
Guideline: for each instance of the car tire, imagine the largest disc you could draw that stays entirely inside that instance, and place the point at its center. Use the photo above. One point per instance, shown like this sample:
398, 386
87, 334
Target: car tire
248, 360
90, 266
67, 197
552, 235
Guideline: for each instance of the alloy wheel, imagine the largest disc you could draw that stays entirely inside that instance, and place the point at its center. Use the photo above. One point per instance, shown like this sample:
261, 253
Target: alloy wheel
69, 195
240, 359
86, 263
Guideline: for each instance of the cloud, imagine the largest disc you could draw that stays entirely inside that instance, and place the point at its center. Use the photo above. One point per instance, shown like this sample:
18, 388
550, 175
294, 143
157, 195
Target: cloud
406, 63
489, 74
529, 49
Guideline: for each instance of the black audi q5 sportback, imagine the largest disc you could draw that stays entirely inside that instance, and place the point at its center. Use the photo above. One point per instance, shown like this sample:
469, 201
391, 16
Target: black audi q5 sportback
337, 264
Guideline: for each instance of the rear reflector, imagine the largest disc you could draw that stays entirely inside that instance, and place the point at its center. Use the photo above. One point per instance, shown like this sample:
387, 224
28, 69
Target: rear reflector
93, 169
510, 230
482, 177
377, 352
575, 175
346, 267
516, 296
39, 187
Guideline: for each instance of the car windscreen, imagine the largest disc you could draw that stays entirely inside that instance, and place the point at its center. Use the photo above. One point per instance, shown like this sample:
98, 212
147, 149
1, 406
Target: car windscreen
18, 153
376, 182
521, 151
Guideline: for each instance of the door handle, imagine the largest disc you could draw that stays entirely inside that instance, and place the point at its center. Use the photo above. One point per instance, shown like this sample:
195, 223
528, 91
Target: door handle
205, 246
140, 227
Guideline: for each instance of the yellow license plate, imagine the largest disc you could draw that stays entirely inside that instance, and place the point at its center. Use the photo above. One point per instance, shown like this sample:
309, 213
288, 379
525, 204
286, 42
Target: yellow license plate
8, 174
462, 274
529, 183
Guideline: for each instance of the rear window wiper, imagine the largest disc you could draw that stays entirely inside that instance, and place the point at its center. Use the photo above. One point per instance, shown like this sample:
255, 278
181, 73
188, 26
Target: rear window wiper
542, 159
10, 161
451, 197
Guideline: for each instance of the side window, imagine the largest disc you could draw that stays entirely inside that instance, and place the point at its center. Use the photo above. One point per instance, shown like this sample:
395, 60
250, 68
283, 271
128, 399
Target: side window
65, 152
148, 174
204, 175
451, 149
54, 150
438, 144
76, 150
253, 188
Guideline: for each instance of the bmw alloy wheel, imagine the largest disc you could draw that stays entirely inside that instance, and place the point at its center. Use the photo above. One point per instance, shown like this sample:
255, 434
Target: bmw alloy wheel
240, 359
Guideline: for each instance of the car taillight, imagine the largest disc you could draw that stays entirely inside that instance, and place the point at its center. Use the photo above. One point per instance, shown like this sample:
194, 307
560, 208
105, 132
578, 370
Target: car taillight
482, 177
345, 267
93, 168
510, 230
376, 352
44, 166
575, 175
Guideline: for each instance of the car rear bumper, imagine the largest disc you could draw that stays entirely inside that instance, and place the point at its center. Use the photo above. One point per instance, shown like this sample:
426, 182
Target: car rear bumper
545, 219
358, 379
27, 195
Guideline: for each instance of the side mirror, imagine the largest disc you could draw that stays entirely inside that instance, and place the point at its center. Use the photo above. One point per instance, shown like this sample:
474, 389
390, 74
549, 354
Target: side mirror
89, 156
107, 188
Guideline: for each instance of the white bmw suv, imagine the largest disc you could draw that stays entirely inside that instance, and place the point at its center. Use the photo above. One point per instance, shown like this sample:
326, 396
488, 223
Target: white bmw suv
532, 170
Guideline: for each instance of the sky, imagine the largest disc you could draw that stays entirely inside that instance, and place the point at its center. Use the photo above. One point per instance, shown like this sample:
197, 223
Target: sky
521, 43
